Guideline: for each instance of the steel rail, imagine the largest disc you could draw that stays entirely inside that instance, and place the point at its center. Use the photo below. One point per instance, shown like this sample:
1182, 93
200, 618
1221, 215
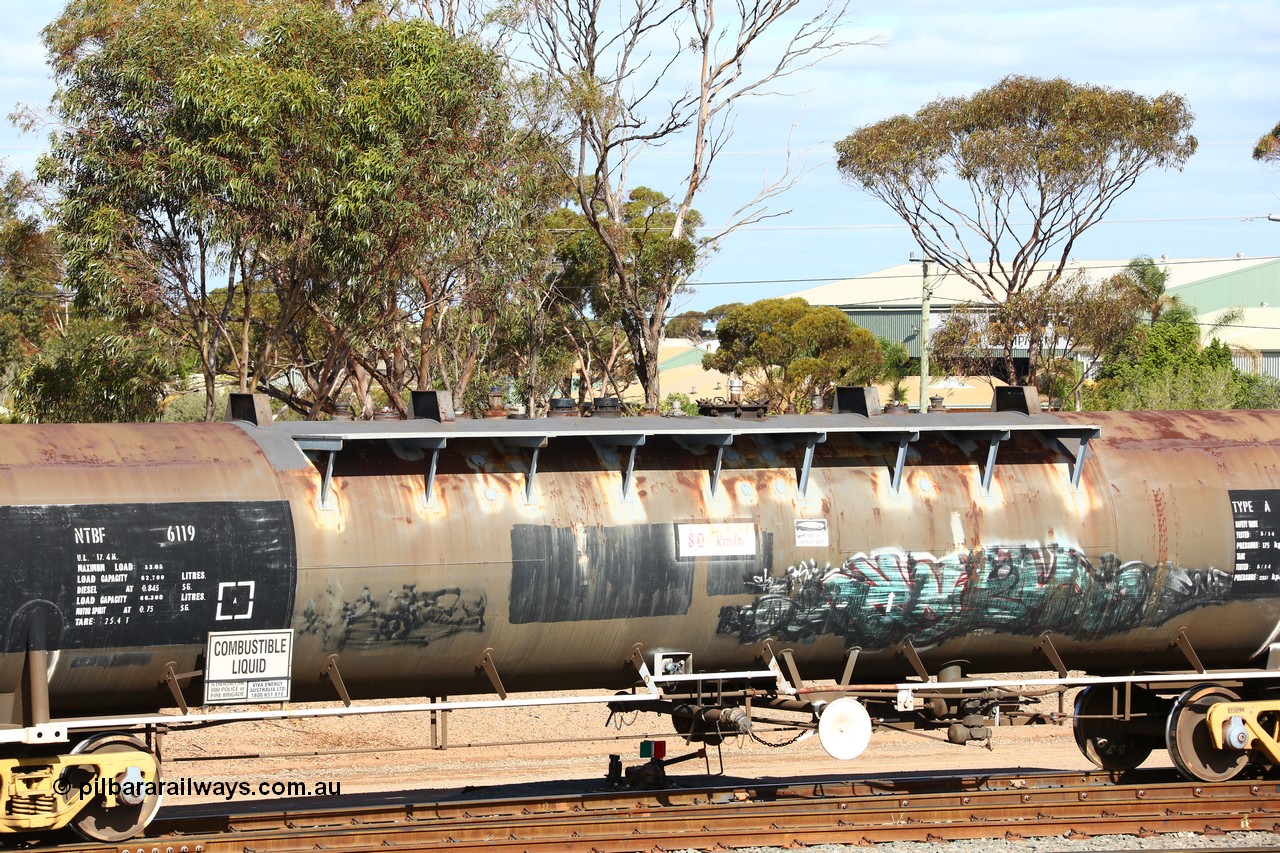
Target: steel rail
855, 811
779, 825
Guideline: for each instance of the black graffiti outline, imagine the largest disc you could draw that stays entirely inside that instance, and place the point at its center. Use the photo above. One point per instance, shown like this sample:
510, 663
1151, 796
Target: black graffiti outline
408, 616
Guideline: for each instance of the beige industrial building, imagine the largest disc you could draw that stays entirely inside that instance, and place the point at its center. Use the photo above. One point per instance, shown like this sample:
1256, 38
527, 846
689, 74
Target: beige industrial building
888, 302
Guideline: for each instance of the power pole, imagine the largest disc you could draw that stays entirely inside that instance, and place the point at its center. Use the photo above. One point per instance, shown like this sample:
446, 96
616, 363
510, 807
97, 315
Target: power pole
926, 292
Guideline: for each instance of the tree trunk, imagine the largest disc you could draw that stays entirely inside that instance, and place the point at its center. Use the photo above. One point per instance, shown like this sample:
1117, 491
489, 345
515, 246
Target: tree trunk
1010, 367
245, 341
210, 392
1035, 340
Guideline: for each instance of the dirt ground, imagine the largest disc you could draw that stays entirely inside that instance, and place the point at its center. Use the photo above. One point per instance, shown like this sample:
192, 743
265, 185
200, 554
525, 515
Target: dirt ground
493, 749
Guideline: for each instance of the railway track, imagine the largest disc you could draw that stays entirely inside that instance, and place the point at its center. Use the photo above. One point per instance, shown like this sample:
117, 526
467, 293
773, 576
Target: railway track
915, 808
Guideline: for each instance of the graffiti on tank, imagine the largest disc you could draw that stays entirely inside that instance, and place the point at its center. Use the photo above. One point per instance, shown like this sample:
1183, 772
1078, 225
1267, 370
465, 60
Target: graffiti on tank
410, 616
879, 599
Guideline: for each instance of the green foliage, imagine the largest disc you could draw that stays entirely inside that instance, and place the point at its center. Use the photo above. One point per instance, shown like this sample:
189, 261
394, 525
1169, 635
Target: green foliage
1257, 391
1078, 320
332, 138
690, 326
788, 349
632, 288
351, 164
1171, 344
1268, 147
1163, 366
1067, 138
1172, 388
1060, 379
188, 406
1148, 282
656, 262
527, 357
1038, 163
898, 365
56, 362
127, 200
676, 400
94, 374
609, 75
716, 314
31, 306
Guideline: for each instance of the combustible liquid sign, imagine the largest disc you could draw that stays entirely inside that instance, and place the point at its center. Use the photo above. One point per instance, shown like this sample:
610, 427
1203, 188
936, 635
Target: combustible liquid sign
248, 666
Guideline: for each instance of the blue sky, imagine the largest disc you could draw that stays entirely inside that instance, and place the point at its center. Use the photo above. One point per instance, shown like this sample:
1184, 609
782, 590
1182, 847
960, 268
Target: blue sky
1222, 57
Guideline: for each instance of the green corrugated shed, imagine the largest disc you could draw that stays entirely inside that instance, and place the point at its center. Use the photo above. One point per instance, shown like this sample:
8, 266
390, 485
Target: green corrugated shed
899, 326
903, 327
1247, 288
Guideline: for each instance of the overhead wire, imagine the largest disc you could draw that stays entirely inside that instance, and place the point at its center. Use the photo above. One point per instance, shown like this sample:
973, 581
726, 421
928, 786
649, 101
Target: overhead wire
916, 276
882, 226
903, 301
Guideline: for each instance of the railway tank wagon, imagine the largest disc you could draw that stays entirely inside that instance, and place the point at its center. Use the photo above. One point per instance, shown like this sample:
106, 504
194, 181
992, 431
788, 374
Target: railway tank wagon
853, 567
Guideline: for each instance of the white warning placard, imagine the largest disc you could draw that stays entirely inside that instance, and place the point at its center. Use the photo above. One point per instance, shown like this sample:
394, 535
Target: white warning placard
812, 533
248, 666
724, 539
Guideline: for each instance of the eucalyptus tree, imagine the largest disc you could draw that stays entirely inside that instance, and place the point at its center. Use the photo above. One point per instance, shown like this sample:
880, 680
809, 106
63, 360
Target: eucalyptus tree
496, 256
609, 70
1083, 321
787, 350
1268, 147
390, 156
95, 370
997, 187
335, 158
689, 326
60, 362
138, 229
657, 264
32, 305
692, 325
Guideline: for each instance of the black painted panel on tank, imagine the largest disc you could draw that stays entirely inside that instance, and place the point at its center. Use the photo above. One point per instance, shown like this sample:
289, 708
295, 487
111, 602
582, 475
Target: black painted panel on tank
730, 575
146, 574
1256, 516
563, 574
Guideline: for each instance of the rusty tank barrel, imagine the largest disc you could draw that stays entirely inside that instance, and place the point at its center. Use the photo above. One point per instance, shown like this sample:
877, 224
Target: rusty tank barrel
413, 550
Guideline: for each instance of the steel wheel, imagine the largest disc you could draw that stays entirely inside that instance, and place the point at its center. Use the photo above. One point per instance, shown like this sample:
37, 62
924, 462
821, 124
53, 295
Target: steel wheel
95, 822
1105, 742
1187, 736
